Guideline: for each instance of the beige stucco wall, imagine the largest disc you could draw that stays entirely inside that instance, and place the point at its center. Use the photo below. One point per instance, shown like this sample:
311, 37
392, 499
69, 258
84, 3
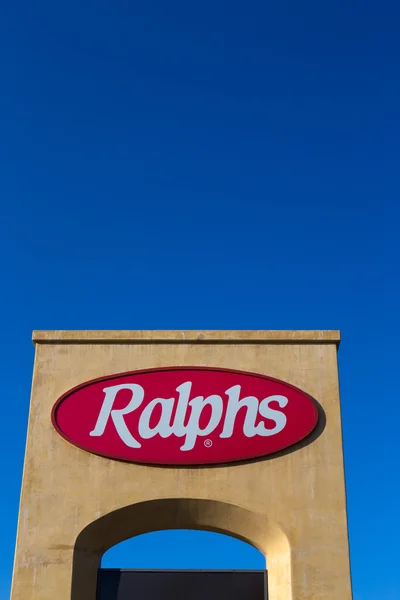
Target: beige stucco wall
75, 505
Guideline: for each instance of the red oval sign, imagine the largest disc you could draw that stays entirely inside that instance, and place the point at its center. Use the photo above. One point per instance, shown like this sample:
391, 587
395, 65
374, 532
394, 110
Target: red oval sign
184, 416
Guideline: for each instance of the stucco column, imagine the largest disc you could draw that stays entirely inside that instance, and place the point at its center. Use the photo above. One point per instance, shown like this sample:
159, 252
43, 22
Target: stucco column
75, 505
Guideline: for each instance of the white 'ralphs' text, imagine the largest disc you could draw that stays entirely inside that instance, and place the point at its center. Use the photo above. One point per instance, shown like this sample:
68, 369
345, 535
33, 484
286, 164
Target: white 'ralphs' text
187, 422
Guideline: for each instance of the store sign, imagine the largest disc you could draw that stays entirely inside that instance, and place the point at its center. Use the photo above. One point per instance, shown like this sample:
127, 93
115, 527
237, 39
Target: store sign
184, 416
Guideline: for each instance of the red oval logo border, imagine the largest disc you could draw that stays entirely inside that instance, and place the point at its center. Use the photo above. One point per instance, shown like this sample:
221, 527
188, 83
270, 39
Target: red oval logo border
113, 376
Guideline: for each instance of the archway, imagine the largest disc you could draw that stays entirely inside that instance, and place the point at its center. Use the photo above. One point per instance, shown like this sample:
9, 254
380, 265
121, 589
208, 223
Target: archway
177, 513
183, 563
184, 549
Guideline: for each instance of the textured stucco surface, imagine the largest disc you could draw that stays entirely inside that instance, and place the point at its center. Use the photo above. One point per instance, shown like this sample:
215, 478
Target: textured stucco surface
75, 505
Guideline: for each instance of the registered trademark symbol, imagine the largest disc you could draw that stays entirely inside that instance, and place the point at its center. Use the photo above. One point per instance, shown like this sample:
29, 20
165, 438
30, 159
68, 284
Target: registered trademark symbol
208, 443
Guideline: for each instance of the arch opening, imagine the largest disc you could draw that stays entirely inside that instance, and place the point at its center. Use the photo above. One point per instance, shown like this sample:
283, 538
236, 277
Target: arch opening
179, 514
182, 563
180, 549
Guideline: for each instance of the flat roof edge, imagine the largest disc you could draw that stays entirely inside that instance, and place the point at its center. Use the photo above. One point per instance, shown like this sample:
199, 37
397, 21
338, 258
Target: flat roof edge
186, 336
123, 570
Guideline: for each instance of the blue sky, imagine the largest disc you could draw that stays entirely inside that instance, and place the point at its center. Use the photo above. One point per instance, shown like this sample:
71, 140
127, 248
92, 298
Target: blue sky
210, 165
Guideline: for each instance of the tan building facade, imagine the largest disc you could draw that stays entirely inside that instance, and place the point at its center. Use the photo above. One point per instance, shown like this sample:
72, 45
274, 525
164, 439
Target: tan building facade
291, 505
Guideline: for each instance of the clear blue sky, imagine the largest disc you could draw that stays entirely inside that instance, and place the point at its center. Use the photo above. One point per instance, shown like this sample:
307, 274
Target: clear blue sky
209, 165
